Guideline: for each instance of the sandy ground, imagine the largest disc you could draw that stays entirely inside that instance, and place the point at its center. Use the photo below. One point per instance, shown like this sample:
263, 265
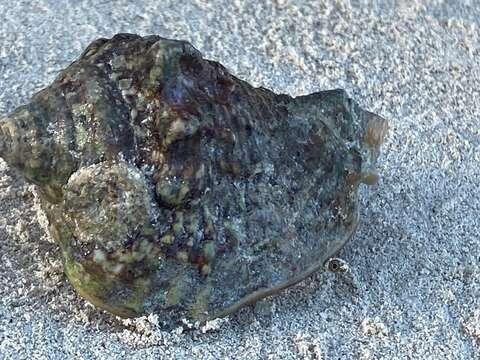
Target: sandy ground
413, 290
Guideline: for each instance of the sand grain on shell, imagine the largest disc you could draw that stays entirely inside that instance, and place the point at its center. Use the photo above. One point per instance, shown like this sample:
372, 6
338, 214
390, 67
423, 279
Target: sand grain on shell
413, 288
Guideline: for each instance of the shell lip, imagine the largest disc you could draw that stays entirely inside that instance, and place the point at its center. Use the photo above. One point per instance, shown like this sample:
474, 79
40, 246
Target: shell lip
265, 292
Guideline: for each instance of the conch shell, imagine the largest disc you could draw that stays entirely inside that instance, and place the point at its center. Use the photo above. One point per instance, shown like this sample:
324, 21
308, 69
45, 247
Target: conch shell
173, 187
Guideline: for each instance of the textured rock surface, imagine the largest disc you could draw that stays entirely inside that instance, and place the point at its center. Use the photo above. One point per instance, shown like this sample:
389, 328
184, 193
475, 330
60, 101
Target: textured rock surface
171, 185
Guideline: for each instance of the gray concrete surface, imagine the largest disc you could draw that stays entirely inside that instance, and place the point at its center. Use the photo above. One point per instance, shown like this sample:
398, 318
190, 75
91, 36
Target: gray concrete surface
413, 290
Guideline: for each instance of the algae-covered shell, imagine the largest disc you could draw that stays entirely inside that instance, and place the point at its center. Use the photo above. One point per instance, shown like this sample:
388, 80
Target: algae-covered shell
171, 186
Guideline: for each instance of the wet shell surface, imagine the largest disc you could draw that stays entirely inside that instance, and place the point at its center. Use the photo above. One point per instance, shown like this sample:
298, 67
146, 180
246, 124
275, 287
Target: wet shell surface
173, 187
